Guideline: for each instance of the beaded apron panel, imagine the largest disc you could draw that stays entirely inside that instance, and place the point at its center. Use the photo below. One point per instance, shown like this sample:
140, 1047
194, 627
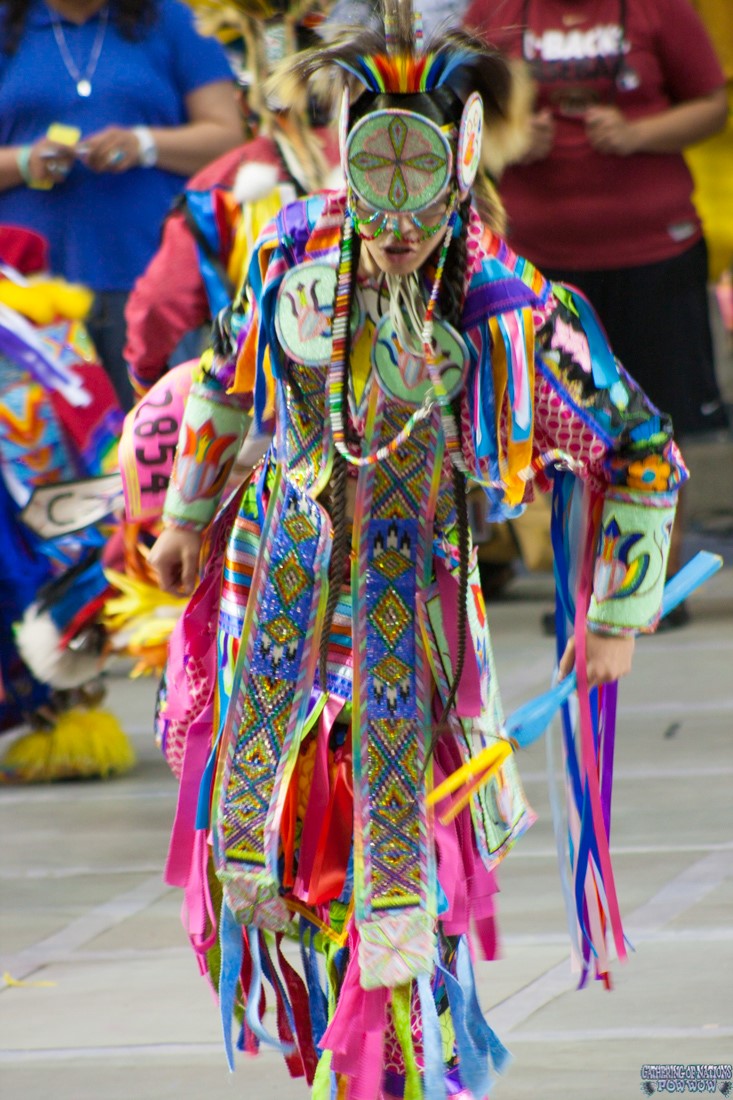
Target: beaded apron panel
307, 432
271, 687
394, 855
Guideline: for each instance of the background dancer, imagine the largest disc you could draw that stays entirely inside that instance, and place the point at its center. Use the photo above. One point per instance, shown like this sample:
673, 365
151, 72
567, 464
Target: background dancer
59, 421
208, 237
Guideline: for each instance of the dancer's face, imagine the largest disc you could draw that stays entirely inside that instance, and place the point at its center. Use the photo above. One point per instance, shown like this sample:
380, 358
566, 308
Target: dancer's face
400, 196
400, 249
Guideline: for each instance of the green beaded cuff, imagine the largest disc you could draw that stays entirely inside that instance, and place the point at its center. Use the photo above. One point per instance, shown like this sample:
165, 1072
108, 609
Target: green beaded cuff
211, 435
630, 568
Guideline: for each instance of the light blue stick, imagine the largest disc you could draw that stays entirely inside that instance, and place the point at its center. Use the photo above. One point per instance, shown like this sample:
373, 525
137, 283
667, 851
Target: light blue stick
530, 721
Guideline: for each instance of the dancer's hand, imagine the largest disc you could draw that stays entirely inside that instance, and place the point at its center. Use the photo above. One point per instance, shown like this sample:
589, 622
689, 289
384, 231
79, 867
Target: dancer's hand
608, 657
175, 559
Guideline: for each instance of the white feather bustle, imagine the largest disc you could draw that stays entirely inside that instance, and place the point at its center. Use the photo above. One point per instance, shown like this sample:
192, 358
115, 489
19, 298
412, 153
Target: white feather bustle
254, 181
39, 644
335, 180
506, 140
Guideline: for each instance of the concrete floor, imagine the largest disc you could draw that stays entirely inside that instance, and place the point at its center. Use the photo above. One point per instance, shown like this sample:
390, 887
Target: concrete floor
110, 1006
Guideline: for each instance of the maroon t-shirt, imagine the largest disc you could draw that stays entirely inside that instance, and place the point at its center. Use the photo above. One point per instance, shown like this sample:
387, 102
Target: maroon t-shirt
580, 209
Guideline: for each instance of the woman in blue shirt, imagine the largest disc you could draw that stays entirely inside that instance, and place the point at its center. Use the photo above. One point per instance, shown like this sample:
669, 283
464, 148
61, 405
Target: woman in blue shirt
143, 102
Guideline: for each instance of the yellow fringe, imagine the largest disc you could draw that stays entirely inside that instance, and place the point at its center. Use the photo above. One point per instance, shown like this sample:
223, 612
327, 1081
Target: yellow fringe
44, 300
140, 621
475, 772
84, 744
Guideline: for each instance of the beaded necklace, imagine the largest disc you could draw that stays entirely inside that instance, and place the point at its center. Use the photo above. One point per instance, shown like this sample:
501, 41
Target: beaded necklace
338, 366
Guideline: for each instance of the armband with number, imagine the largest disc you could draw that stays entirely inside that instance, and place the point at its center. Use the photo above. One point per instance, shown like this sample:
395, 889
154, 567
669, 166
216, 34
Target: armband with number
211, 435
628, 579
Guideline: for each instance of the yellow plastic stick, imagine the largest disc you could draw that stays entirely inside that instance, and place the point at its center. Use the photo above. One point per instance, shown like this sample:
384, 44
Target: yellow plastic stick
463, 799
489, 758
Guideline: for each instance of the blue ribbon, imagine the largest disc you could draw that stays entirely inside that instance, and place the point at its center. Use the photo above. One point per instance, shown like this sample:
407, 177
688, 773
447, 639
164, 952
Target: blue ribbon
201, 207
498, 1053
317, 1000
478, 1045
470, 1043
232, 954
605, 371
434, 1079
252, 1014
274, 979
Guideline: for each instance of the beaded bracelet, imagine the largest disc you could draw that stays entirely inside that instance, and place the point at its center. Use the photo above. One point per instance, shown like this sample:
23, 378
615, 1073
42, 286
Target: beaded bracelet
24, 164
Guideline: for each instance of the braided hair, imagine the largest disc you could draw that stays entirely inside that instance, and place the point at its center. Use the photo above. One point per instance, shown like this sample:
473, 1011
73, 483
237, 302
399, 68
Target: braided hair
452, 294
341, 543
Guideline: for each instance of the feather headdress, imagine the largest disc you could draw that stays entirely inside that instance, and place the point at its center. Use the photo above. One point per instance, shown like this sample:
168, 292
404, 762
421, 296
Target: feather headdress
256, 22
267, 26
396, 60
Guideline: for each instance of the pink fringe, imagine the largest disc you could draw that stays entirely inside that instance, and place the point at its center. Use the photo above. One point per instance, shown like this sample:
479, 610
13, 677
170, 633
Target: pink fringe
467, 884
356, 1032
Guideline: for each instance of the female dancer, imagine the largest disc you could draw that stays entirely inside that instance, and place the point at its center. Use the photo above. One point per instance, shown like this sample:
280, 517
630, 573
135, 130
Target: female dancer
336, 645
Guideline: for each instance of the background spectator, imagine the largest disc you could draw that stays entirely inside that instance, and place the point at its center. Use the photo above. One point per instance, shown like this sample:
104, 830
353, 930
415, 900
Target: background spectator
603, 198
104, 108
208, 237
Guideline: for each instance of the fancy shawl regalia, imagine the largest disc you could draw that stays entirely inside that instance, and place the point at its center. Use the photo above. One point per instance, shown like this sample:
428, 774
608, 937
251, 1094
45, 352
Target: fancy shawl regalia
328, 675
59, 423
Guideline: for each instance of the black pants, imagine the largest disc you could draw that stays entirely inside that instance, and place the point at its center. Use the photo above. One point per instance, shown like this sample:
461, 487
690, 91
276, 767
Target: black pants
106, 324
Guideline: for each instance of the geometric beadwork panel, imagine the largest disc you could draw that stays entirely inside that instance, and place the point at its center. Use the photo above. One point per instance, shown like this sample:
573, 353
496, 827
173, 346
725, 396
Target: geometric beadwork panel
304, 423
390, 616
394, 809
390, 602
392, 828
398, 484
288, 587
266, 711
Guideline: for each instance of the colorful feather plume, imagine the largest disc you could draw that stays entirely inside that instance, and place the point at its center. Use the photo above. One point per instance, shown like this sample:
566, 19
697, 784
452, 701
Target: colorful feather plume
377, 62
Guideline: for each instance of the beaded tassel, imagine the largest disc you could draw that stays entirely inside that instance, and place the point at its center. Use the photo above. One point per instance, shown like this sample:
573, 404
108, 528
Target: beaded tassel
336, 388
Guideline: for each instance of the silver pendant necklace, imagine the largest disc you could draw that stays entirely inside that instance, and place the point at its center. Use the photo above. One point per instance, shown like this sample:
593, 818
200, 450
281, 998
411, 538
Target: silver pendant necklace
83, 80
